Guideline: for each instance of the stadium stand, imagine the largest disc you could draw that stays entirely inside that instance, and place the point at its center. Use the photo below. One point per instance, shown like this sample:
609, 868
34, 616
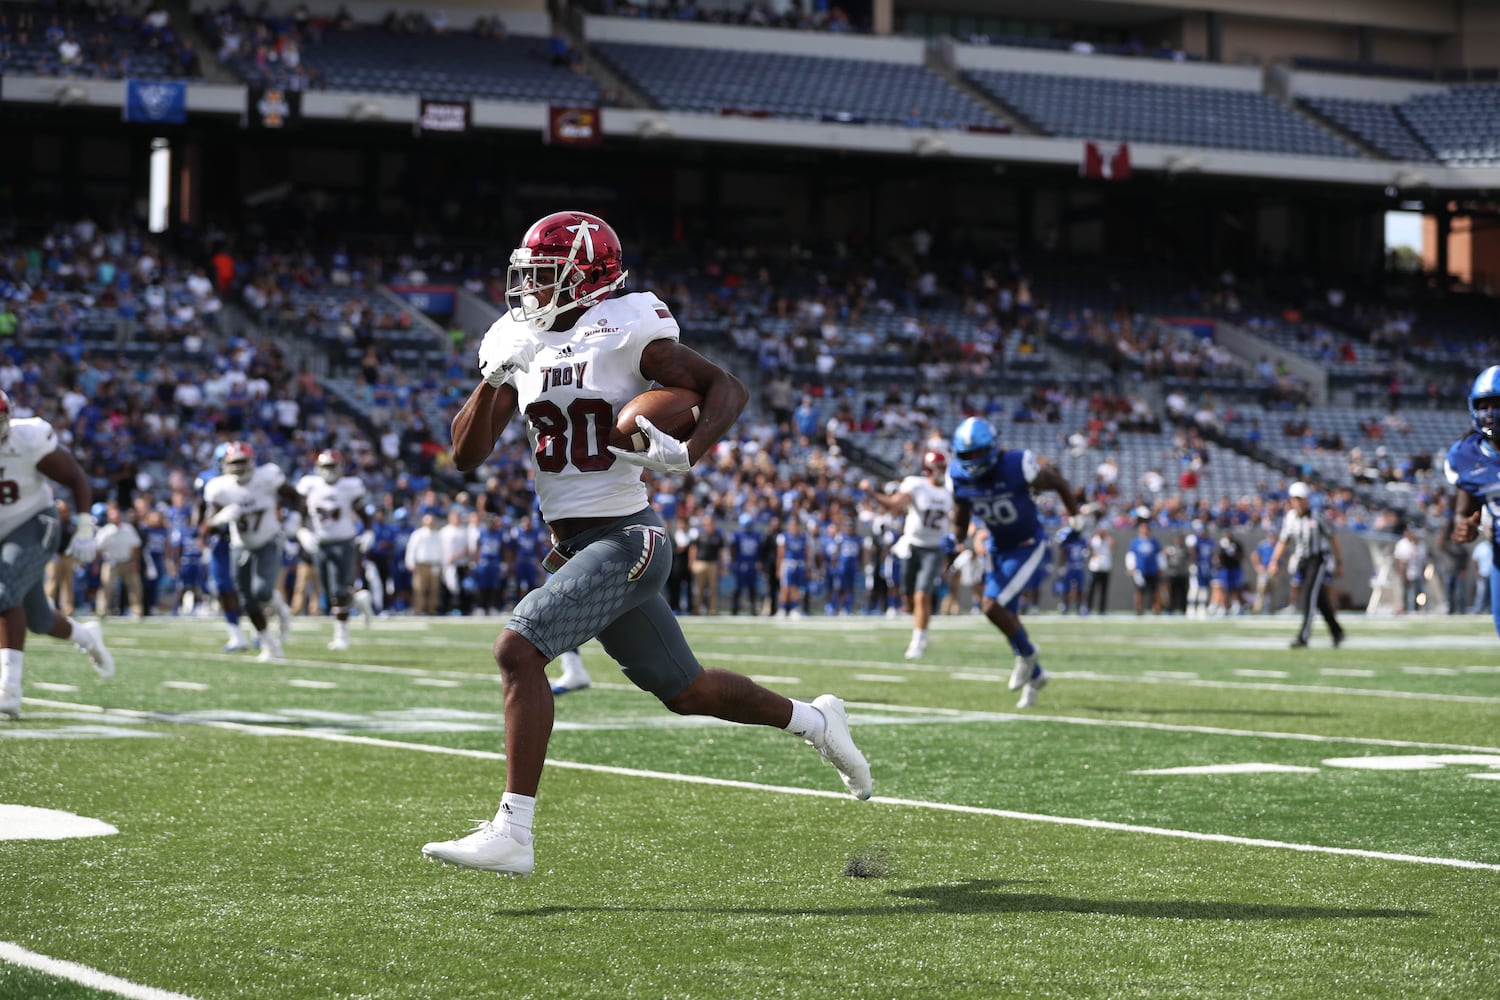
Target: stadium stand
684, 78
96, 41
1155, 112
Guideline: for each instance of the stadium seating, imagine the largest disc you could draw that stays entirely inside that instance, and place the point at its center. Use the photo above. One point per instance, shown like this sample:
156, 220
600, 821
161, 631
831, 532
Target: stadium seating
1380, 125
682, 78
442, 67
110, 46
1460, 125
1170, 114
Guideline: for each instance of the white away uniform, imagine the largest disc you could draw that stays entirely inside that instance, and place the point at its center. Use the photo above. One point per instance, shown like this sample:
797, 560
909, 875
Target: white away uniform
578, 380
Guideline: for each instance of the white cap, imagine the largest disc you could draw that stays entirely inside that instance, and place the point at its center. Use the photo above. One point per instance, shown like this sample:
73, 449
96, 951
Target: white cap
1297, 489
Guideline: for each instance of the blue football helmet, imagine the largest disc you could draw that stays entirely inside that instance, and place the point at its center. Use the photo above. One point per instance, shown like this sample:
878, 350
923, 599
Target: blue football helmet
1484, 402
975, 447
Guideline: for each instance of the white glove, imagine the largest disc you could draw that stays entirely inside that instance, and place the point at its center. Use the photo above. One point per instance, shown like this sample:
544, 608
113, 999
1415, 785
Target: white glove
507, 348
225, 515
366, 541
307, 540
665, 454
82, 548
150, 570
1139, 579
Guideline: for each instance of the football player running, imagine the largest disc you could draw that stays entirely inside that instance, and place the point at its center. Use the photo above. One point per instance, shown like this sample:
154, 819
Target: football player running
929, 518
29, 535
568, 355
1473, 467
330, 534
996, 486
215, 540
248, 498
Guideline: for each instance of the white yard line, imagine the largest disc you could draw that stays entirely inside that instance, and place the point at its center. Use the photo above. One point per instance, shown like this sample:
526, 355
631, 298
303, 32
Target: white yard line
1093, 824
83, 975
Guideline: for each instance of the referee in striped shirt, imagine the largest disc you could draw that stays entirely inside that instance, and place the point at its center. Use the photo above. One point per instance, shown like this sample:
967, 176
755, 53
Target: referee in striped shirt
1315, 554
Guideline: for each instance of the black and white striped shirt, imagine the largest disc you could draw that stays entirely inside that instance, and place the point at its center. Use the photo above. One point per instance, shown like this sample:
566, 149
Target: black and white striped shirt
1306, 535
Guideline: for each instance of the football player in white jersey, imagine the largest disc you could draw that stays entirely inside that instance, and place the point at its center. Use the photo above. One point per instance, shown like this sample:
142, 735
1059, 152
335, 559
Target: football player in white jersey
29, 534
929, 518
567, 356
335, 520
248, 498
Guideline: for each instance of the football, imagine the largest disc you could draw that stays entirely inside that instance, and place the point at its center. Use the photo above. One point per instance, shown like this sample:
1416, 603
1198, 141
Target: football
674, 411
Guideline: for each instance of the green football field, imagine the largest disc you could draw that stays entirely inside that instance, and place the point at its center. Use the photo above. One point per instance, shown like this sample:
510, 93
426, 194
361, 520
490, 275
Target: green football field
1192, 810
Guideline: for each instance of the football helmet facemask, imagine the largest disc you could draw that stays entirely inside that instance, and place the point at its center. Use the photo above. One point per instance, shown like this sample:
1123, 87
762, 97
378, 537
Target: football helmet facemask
566, 260
975, 447
330, 466
1484, 403
239, 462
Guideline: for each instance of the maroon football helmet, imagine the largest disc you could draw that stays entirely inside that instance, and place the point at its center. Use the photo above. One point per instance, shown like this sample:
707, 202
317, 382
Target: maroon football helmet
239, 461
573, 255
330, 465
4, 416
934, 461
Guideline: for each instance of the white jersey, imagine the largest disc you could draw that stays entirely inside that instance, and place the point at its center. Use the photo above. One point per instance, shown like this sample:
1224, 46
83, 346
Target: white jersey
259, 520
929, 516
23, 489
579, 379
332, 510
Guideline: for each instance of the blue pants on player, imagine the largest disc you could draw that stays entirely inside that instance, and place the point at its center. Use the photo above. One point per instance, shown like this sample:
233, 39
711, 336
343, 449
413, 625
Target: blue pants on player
220, 567
1013, 571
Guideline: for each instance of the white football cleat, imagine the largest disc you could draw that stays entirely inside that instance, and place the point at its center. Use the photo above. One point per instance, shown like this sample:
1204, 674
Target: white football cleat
1025, 667
366, 605
10, 702
89, 637
1033, 688
487, 849
574, 676
917, 648
339, 643
837, 747
284, 623
270, 649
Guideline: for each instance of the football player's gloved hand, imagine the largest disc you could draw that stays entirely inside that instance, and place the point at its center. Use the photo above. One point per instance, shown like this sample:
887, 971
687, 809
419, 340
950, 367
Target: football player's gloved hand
949, 544
665, 454
366, 541
82, 548
1139, 579
505, 349
225, 515
307, 540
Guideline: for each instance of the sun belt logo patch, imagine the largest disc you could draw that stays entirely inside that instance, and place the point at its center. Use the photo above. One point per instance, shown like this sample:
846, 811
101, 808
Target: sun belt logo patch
648, 549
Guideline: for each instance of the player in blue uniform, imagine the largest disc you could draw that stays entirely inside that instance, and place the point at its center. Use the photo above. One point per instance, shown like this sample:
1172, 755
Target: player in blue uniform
996, 486
489, 566
220, 570
1200, 546
744, 548
1473, 467
1074, 548
846, 559
793, 556
1143, 561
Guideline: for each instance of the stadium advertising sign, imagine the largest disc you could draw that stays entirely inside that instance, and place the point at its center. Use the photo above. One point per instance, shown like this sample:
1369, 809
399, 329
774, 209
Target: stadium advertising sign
434, 300
273, 107
443, 116
157, 103
572, 126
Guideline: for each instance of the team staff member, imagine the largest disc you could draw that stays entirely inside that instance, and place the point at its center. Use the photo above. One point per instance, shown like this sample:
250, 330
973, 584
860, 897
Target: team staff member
1315, 554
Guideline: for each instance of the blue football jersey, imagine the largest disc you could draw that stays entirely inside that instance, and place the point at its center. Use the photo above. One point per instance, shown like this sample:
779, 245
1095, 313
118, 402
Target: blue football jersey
1474, 466
1001, 499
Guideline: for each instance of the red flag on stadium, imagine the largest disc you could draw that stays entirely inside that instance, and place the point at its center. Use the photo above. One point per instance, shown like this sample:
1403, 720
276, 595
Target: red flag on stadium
1115, 167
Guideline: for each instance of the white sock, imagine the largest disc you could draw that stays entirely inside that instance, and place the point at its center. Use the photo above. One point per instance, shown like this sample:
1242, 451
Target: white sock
80, 638
10, 669
918, 634
236, 634
807, 722
514, 817
341, 630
